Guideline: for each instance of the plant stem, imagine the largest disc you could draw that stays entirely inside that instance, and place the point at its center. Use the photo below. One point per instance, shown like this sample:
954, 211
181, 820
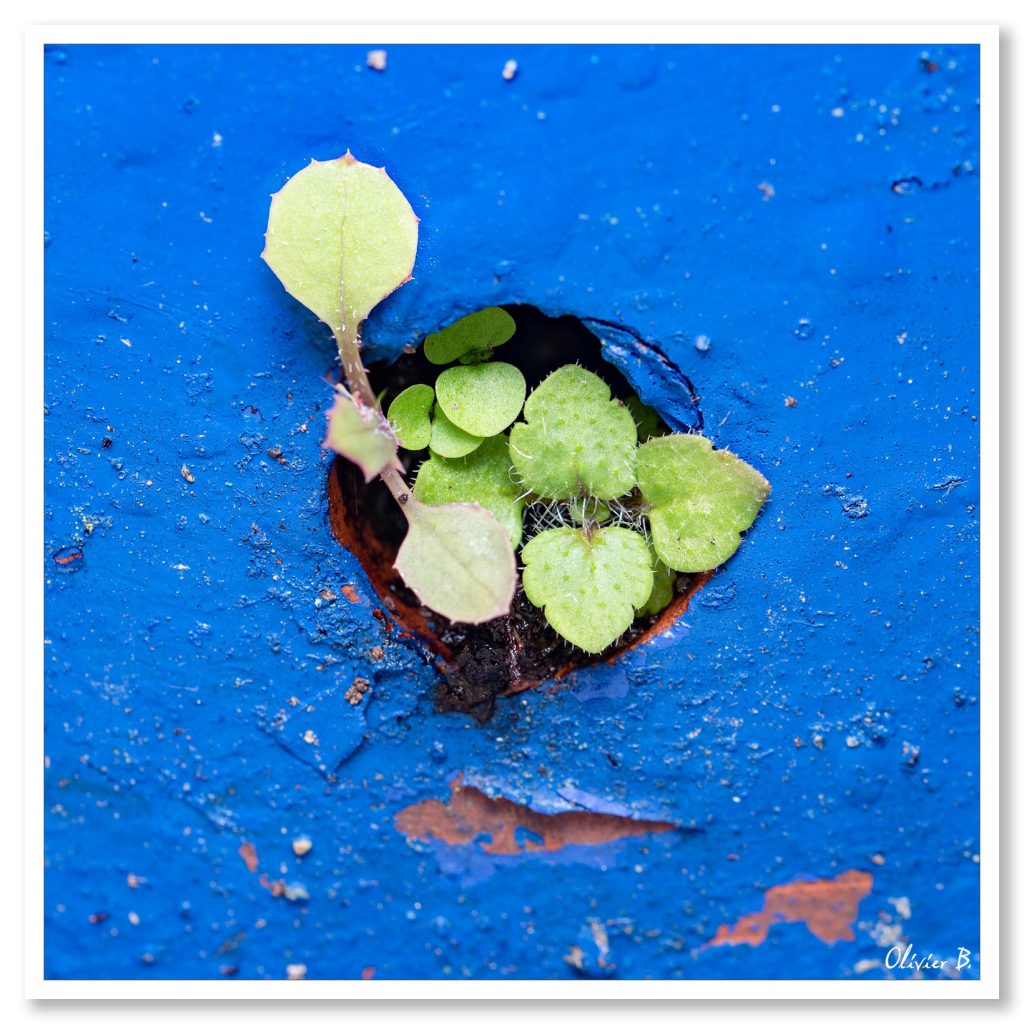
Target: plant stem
352, 365
396, 485
359, 384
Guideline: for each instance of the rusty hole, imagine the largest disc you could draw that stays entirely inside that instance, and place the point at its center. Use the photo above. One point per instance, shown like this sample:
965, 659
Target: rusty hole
478, 664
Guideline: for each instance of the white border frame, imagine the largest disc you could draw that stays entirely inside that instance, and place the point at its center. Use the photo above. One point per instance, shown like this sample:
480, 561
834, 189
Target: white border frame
986, 36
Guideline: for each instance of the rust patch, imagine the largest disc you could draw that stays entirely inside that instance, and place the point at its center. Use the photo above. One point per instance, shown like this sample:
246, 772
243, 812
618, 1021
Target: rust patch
350, 592
248, 853
828, 906
470, 812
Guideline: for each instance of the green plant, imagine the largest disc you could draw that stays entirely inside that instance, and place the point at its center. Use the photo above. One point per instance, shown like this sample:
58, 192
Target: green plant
614, 506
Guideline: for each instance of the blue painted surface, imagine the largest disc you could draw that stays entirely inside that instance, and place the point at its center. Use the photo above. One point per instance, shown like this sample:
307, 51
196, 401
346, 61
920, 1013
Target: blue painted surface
781, 716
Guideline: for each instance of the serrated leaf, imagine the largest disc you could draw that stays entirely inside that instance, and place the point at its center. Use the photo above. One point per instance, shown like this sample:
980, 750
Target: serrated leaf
482, 477
701, 500
458, 561
472, 339
361, 434
409, 414
341, 237
662, 592
482, 399
577, 439
448, 440
589, 589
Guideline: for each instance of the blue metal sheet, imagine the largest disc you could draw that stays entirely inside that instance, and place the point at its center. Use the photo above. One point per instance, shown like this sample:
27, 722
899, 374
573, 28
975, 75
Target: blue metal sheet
812, 213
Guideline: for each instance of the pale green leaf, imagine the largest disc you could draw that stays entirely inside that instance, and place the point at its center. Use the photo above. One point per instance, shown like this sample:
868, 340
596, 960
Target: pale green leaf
448, 440
409, 414
341, 237
483, 477
648, 422
361, 434
458, 561
472, 339
701, 500
662, 592
589, 589
577, 439
482, 399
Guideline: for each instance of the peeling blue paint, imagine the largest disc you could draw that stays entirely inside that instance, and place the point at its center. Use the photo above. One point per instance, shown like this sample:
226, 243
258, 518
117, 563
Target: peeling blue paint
814, 711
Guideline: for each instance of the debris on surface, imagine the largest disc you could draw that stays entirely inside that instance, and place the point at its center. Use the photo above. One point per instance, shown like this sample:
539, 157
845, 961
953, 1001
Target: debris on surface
301, 845
248, 853
591, 955
508, 72
377, 60
355, 693
296, 972
187, 475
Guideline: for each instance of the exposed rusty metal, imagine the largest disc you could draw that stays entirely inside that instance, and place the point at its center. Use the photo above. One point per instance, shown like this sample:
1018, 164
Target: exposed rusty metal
828, 906
470, 813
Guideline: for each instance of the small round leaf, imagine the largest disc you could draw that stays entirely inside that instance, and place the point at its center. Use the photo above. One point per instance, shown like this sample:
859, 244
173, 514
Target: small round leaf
472, 339
482, 399
447, 440
409, 414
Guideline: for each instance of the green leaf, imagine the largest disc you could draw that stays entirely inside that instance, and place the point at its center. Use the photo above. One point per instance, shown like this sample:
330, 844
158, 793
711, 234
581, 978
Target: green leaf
588, 510
648, 423
589, 589
409, 414
472, 339
577, 439
483, 477
361, 434
458, 561
700, 499
341, 237
482, 399
663, 591
447, 440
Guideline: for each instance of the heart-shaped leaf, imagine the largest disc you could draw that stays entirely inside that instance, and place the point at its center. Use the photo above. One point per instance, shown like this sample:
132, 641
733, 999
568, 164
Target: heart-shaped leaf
701, 500
341, 237
483, 477
409, 414
458, 561
361, 434
482, 399
472, 339
447, 440
589, 589
577, 439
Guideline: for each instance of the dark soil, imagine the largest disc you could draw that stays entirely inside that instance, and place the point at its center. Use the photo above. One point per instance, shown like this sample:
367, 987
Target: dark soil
510, 655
